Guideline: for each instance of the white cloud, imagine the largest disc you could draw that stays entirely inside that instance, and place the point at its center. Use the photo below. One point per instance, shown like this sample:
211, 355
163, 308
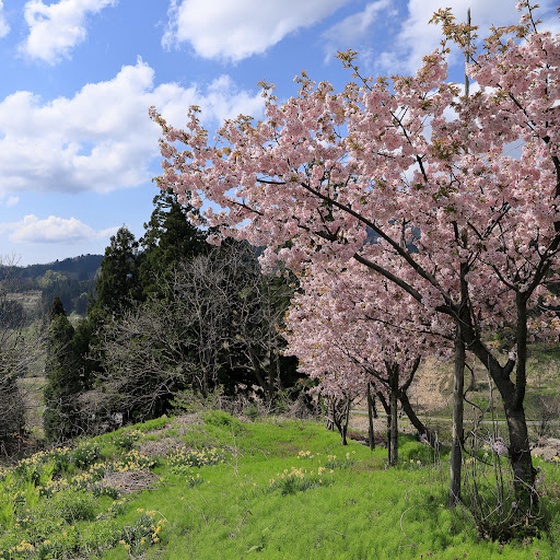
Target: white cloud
101, 139
53, 230
12, 201
420, 38
236, 30
4, 27
417, 38
352, 31
357, 25
56, 28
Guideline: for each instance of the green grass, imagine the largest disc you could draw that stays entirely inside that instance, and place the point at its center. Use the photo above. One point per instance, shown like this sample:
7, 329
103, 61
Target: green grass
223, 488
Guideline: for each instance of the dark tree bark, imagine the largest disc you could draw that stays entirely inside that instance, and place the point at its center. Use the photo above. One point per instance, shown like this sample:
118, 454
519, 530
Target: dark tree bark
393, 443
371, 416
340, 416
512, 394
457, 431
424, 432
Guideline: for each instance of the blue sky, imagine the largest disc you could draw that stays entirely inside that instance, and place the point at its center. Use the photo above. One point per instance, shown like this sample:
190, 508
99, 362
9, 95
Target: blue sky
77, 149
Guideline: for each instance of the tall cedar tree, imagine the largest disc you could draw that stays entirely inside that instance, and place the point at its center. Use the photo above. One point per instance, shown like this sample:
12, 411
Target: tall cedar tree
170, 237
118, 283
117, 288
61, 419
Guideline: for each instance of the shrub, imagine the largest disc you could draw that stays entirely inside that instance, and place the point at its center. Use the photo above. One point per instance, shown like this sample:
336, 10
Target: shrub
184, 459
299, 480
127, 439
73, 506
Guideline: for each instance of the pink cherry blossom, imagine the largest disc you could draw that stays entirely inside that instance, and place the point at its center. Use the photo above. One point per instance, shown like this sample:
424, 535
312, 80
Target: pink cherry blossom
452, 199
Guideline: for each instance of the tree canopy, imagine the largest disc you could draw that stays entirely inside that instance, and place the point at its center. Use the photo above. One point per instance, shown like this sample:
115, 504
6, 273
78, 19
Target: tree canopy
470, 180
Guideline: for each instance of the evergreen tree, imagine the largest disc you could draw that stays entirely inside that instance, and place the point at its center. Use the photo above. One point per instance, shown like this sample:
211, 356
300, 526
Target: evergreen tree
83, 341
117, 289
61, 419
118, 284
57, 308
170, 237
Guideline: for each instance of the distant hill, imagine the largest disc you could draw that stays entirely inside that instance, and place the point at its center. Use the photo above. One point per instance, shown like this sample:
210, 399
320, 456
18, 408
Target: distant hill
70, 279
80, 268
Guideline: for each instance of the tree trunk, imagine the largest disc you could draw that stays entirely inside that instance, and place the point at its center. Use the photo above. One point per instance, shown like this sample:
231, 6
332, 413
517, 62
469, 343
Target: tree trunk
521, 461
341, 417
457, 430
393, 443
512, 395
343, 421
519, 448
393, 431
425, 433
472, 382
371, 414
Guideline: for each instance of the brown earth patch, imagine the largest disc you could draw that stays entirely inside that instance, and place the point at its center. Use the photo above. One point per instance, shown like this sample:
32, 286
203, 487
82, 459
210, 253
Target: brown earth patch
547, 449
129, 481
159, 447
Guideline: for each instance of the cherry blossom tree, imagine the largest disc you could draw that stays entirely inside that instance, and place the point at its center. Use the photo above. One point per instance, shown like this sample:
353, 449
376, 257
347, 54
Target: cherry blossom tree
460, 191
354, 331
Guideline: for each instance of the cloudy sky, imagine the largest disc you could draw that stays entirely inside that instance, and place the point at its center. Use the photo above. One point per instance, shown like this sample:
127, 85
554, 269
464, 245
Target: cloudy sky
77, 149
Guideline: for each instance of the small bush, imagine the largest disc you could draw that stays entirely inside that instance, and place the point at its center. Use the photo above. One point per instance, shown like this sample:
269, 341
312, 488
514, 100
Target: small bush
299, 480
252, 412
61, 458
127, 439
335, 462
133, 461
489, 497
184, 459
73, 506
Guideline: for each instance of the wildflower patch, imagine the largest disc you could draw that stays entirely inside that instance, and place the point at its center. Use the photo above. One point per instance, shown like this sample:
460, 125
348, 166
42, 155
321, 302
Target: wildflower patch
145, 531
294, 479
184, 459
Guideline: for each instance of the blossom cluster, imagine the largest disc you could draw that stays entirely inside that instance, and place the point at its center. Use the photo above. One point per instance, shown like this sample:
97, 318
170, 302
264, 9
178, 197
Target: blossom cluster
418, 213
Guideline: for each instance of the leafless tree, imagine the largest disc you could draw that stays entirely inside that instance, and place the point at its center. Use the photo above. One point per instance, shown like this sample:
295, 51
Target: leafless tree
215, 326
21, 345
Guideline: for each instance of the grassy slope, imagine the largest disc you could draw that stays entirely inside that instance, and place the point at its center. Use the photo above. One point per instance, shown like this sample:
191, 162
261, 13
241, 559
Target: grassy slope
268, 492
432, 391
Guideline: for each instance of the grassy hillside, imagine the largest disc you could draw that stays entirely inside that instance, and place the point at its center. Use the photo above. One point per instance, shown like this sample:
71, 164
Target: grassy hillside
432, 391
211, 486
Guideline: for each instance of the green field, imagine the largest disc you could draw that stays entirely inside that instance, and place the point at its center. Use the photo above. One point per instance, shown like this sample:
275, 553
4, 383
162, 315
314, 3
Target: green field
212, 486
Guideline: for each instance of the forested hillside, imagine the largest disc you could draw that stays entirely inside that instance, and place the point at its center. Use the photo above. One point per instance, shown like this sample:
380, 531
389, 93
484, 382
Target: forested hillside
70, 279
